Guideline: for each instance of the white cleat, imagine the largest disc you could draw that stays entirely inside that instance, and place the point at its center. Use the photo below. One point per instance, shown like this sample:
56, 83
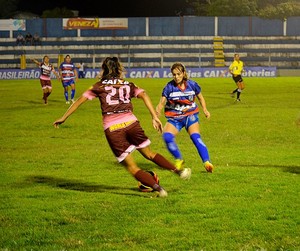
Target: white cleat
163, 193
186, 173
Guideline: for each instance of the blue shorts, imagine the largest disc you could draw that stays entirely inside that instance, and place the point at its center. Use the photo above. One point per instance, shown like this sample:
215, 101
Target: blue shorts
186, 121
68, 83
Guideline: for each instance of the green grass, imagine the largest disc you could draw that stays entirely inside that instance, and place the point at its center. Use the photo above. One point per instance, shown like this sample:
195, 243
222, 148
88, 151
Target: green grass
62, 189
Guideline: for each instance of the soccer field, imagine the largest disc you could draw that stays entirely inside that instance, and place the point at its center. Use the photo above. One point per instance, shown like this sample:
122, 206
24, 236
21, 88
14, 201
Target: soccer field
62, 189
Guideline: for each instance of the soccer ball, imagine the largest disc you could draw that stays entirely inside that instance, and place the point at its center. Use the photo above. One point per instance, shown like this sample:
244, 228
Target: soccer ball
146, 189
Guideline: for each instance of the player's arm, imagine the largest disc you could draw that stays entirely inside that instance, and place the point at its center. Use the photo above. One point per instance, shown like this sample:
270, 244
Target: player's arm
230, 69
161, 105
76, 73
203, 105
36, 62
60, 72
155, 120
55, 73
69, 112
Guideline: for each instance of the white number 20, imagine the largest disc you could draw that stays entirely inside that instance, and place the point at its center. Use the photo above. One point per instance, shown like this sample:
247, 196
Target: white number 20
123, 94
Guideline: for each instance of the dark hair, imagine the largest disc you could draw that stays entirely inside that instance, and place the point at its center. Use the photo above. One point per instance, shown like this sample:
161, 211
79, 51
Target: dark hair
111, 68
180, 67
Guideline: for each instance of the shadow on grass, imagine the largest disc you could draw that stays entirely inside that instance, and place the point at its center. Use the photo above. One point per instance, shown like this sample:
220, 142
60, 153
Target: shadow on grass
75, 185
41, 101
290, 169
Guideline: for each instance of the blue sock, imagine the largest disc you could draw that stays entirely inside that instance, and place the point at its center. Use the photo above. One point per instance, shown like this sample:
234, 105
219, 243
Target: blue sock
72, 94
201, 147
169, 139
66, 95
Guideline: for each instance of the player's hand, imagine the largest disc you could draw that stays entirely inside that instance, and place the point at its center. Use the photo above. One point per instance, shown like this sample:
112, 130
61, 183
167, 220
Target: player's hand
207, 114
157, 124
58, 122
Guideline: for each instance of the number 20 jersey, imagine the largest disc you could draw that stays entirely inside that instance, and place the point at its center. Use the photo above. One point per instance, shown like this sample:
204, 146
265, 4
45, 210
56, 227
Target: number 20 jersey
115, 99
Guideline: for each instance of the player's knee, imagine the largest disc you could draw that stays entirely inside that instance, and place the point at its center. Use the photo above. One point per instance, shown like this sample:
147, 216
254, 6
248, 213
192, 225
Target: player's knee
168, 137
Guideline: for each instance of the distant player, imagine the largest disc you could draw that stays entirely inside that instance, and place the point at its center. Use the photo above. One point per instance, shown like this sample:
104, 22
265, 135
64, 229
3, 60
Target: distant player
69, 75
236, 68
46, 69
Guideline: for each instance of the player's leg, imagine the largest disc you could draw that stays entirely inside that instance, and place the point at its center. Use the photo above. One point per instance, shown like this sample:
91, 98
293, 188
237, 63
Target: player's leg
122, 149
142, 176
45, 93
136, 136
44, 85
241, 86
195, 136
171, 129
235, 90
161, 161
66, 93
48, 91
72, 92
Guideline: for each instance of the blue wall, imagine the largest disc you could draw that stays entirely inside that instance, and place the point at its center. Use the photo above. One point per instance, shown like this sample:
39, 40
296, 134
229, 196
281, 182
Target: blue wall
172, 26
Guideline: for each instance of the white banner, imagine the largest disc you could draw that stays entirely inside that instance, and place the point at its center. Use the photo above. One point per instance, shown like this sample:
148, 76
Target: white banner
13, 24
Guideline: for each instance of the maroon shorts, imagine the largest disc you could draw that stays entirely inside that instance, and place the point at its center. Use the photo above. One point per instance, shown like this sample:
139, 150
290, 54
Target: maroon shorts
45, 83
124, 138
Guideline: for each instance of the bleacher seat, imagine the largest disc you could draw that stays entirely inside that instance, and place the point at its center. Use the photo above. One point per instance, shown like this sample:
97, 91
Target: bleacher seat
197, 51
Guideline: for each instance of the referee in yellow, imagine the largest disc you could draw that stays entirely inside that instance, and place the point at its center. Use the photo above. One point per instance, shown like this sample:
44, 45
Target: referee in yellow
236, 69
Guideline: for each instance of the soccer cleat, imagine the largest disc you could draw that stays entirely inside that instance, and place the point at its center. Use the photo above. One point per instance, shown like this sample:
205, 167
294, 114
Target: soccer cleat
237, 100
179, 164
208, 166
73, 101
68, 102
186, 173
163, 193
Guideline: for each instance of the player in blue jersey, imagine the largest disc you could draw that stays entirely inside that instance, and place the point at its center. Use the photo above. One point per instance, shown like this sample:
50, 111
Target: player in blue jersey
181, 110
69, 75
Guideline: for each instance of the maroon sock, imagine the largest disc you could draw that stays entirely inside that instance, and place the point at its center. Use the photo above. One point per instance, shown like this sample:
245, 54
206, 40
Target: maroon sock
147, 179
164, 163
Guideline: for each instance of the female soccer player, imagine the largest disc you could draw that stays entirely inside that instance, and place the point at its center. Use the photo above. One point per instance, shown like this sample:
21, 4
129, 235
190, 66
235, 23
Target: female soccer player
122, 128
46, 69
69, 75
181, 110
236, 68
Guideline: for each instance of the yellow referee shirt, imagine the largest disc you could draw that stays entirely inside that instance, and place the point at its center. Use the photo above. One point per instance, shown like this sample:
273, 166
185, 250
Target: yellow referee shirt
236, 67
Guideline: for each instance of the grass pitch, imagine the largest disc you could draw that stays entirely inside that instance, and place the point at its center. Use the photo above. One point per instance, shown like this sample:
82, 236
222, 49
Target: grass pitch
62, 189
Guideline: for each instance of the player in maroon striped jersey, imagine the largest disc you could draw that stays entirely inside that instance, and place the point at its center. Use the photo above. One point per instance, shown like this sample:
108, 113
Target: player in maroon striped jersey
45, 80
122, 128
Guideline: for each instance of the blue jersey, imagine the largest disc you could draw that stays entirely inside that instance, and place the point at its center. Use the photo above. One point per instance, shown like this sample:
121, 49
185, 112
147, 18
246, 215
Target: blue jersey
67, 71
181, 102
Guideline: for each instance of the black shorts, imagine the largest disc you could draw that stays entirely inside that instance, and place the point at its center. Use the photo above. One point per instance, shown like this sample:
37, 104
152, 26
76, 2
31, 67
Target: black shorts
126, 139
237, 78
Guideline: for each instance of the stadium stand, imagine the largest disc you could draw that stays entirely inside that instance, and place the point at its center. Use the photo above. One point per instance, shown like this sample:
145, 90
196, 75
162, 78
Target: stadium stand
157, 51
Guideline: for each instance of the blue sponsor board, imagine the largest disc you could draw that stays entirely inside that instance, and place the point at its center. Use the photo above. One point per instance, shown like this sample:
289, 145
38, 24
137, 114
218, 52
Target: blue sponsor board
150, 73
